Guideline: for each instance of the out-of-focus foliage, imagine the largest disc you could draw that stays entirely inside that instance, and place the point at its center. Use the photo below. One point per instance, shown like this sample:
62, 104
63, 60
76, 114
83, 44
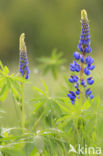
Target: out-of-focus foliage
52, 63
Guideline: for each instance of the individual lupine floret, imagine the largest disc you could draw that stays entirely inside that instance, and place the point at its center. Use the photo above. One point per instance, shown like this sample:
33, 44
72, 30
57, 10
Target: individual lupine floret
77, 91
89, 60
83, 83
90, 81
75, 67
76, 55
86, 63
72, 96
73, 79
23, 62
76, 85
82, 59
88, 93
87, 71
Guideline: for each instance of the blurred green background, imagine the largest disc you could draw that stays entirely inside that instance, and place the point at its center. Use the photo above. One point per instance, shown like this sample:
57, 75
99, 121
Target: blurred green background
47, 24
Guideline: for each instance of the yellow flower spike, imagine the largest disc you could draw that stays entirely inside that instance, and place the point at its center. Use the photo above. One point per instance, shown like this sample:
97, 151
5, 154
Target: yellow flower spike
84, 15
22, 46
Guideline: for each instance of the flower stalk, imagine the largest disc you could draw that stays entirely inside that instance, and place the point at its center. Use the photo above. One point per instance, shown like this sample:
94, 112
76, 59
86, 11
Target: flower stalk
24, 70
23, 108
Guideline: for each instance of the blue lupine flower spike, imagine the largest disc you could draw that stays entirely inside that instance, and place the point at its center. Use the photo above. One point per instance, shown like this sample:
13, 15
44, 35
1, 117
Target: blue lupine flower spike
23, 62
86, 64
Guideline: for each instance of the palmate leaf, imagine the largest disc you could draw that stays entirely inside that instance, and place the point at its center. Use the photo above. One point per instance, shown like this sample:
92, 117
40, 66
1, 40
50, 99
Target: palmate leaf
45, 106
40, 91
45, 93
46, 69
9, 83
52, 63
38, 103
54, 71
46, 88
72, 112
4, 92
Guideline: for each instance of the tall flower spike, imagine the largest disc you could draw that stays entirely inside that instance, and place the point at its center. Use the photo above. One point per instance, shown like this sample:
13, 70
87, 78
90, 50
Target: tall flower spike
85, 66
23, 63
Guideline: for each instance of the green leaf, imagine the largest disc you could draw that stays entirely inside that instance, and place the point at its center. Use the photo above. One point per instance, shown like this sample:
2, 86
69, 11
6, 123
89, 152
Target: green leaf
15, 84
34, 152
65, 109
86, 105
45, 86
6, 70
40, 91
15, 93
4, 92
38, 106
51, 63
46, 69
54, 71
1, 65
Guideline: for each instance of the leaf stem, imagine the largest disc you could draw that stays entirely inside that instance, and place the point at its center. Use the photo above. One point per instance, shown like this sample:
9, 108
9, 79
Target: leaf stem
35, 124
23, 109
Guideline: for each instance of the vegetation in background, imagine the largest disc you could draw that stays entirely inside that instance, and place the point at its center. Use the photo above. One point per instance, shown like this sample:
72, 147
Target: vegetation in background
48, 24
52, 63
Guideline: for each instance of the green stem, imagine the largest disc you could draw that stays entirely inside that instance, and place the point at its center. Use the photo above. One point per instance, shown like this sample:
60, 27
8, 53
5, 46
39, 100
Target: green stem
15, 105
23, 109
35, 124
81, 75
82, 68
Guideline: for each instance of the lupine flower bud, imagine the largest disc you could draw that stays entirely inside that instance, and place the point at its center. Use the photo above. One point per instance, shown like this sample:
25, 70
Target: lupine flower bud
82, 59
76, 55
72, 96
73, 79
84, 42
75, 66
78, 91
91, 96
89, 60
23, 63
83, 83
86, 63
90, 81
86, 71
88, 91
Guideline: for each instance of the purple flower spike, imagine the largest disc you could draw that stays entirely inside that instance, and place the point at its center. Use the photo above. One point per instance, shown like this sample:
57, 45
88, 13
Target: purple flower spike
86, 64
23, 63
